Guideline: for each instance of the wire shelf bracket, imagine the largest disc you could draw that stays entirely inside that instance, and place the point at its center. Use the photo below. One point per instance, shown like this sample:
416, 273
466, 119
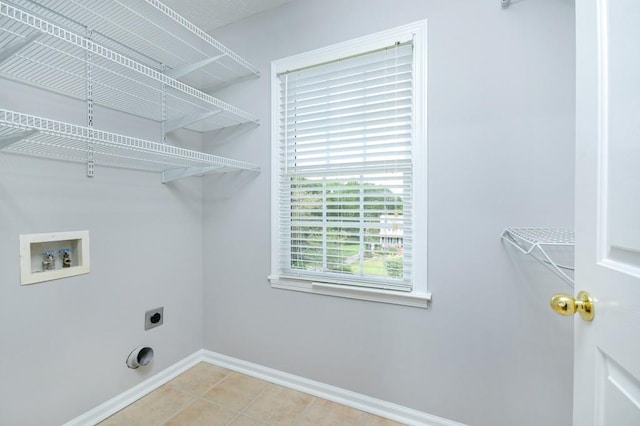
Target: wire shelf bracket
175, 124
187, 69
175, 174
10, 50
8, 140
536, 241
41, 137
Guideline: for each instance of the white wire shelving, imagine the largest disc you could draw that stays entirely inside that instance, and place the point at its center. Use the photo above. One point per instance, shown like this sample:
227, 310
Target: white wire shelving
41, 137
47, 55
538, 242
154, 34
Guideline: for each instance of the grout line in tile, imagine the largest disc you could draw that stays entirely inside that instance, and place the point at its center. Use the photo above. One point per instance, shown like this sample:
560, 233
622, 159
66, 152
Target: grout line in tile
238, 413
183, 408
193, 394
214, 385
233, 419
229, 372
262, 422
178, 412
219, 405
307, 408
197, 395
244, 410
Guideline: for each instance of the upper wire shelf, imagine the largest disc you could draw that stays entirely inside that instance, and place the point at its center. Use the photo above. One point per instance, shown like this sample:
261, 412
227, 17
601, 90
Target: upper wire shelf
47, 55
41, 137
154, 35
538, 241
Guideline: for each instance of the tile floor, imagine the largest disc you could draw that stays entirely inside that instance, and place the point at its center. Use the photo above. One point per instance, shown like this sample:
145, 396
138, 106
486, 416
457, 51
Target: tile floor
210, 395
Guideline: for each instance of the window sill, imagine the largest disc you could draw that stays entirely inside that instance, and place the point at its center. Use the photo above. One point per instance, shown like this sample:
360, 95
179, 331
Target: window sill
414, 299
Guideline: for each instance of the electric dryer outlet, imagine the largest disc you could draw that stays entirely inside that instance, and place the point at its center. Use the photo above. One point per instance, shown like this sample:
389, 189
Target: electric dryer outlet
153, 318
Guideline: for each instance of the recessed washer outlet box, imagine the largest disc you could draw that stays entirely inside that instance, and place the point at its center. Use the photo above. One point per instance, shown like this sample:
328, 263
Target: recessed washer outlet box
53, 255
153, 318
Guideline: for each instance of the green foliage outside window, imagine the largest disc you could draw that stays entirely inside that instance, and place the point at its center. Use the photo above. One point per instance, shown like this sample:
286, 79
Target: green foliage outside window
336, 227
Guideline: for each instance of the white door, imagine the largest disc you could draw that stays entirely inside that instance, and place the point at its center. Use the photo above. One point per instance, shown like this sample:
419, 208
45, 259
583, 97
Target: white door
607, 350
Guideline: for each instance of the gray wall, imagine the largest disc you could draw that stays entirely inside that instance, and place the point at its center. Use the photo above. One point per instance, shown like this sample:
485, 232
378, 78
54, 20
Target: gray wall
65, 342
488, 352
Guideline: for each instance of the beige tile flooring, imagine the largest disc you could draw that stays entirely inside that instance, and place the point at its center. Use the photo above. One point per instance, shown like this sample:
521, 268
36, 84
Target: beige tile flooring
210, 395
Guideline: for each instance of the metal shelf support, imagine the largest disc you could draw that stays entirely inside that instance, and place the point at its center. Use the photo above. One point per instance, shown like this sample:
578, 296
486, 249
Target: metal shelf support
180, 72
89, 96
176, 124
533, 241
175, 174
8, 140
11, 49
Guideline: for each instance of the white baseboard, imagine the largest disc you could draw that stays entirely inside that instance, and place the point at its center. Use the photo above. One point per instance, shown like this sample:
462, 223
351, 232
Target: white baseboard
117, 403
355, 400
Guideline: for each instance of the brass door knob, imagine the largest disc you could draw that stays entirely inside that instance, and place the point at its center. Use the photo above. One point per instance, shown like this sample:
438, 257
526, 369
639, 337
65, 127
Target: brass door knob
564, 304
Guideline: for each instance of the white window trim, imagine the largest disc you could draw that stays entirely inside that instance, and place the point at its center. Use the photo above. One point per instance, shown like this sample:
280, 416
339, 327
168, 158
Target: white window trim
419, 296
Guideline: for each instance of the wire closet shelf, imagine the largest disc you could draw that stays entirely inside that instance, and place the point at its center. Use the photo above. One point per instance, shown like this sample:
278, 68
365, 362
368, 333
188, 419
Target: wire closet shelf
44, 54
41, 137
154, 34
538, 243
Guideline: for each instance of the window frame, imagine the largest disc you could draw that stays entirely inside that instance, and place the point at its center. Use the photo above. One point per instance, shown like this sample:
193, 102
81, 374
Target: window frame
418, 296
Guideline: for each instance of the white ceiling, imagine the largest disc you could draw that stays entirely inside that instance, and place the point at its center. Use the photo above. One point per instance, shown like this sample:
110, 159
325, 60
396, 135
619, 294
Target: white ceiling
211, 14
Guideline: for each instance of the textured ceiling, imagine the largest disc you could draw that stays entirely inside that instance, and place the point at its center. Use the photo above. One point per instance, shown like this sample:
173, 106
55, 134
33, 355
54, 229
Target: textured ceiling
211, 14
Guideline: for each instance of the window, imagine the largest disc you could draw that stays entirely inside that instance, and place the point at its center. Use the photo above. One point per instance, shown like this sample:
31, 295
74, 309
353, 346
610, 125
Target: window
348, 169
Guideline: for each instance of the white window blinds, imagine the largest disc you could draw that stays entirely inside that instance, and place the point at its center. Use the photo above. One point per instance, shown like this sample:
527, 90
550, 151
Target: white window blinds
345, 170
